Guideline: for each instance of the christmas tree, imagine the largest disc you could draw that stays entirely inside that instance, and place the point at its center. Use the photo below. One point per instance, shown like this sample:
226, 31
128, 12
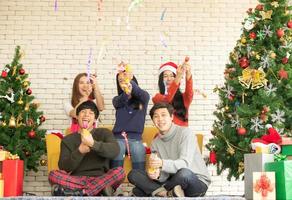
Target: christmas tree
19, 118
257, 87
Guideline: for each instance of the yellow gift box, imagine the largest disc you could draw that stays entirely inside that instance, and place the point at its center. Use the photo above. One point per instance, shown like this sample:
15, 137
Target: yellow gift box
262, 149
3, 155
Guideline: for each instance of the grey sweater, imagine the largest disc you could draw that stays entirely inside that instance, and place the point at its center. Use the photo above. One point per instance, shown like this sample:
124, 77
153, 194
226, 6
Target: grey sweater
178, 148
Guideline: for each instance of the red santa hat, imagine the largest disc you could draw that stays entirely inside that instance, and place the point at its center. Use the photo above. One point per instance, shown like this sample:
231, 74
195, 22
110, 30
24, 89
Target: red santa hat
168, 66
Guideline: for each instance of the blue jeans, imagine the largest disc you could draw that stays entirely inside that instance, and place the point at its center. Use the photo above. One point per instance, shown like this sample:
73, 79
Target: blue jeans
189, 182
137, 151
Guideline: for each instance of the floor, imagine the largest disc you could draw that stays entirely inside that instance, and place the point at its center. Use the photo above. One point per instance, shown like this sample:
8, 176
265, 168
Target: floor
125, 198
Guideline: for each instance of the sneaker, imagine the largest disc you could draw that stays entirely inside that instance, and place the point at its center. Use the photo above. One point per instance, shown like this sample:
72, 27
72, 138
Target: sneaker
57, 190
177, 191
74, 192
107, 191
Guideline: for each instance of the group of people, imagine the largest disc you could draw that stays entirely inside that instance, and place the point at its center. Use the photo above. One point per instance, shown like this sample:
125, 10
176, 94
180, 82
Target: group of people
91, 158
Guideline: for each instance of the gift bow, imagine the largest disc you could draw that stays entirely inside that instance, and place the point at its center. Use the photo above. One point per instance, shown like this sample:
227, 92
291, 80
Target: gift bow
279, 157
263, 185
255, 78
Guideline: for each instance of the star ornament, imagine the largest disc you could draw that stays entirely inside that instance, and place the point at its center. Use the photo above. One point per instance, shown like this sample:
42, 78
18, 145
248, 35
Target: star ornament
267, 14
283, 74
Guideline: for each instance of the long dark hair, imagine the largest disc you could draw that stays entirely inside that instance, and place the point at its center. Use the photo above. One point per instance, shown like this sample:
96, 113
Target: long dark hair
178, 101
134, 102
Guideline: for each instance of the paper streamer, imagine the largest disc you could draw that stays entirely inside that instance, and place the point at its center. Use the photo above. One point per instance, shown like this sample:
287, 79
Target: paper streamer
88, 65
162, 14
163, 42
56, 5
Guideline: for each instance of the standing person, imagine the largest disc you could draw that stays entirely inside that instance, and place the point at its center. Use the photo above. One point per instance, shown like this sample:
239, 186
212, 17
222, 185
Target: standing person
179, 167
170, 76
84, 88
85, 159
131, 107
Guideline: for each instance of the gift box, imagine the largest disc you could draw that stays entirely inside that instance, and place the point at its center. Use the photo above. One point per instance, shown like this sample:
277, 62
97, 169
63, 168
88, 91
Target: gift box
283, 171
264, 186
13, 177
254, 162
286, 150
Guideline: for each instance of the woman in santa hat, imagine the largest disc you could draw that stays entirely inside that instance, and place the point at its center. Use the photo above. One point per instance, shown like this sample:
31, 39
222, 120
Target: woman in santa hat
170, 76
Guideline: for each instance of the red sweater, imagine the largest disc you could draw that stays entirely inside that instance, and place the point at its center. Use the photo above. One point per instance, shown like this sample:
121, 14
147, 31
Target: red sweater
168, 98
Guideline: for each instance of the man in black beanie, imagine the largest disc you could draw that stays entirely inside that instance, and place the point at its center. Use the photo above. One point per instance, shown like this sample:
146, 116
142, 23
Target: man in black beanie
85, 159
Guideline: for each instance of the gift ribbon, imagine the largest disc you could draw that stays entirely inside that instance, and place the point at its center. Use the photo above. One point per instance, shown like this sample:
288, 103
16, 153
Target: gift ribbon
124, 134
279, 157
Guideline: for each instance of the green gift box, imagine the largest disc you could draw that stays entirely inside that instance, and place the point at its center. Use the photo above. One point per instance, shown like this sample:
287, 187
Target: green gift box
286, 150
283, 170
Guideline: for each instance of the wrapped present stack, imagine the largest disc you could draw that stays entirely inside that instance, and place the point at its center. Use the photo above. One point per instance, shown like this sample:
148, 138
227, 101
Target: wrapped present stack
11, 168
283, 169
268, 171
265, 149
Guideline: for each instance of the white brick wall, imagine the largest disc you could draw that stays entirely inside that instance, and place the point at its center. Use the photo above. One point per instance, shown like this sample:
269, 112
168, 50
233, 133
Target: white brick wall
57, 44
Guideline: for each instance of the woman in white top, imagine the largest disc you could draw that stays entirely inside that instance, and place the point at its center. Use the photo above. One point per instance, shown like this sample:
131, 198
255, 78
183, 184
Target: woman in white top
84, 88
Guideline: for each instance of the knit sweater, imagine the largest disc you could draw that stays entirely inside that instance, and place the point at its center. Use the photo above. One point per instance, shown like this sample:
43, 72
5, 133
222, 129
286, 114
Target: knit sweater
94, 163
129, 119
178, 148
168, 98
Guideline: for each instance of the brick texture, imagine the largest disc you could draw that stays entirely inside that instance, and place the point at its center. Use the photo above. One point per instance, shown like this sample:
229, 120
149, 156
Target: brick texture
57, 45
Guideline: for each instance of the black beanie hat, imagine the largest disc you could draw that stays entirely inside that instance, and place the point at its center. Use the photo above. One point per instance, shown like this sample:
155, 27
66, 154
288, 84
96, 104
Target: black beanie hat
88, 105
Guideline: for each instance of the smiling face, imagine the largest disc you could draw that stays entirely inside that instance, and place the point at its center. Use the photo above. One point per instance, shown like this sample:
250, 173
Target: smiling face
168, 77
84, 86
86, 118
162, 120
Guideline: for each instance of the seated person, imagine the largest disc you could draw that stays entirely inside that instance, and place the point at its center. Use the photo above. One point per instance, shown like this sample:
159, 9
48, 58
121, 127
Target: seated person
85, 159
178, 169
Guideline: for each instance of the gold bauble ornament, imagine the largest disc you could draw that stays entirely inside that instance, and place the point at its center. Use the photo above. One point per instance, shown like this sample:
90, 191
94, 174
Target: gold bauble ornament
3, 124
43, 162
26, 107
25, 83
12, 123
226, 108
20, 102
231, 150
273, 55
243, 40
240, 167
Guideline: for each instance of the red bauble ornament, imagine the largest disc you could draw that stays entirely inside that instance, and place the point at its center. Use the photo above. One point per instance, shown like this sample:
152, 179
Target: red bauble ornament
283, 74
4, 74
231, 97
21, 71
212, 157
280, 33
241, 131
42, 118
243, 62
249, 11
31, 134
259, 7
252, 35
285, 60
264, 117
289, 24
28, 91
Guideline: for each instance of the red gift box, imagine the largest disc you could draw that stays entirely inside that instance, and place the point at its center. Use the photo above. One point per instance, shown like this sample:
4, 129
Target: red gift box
13, 177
